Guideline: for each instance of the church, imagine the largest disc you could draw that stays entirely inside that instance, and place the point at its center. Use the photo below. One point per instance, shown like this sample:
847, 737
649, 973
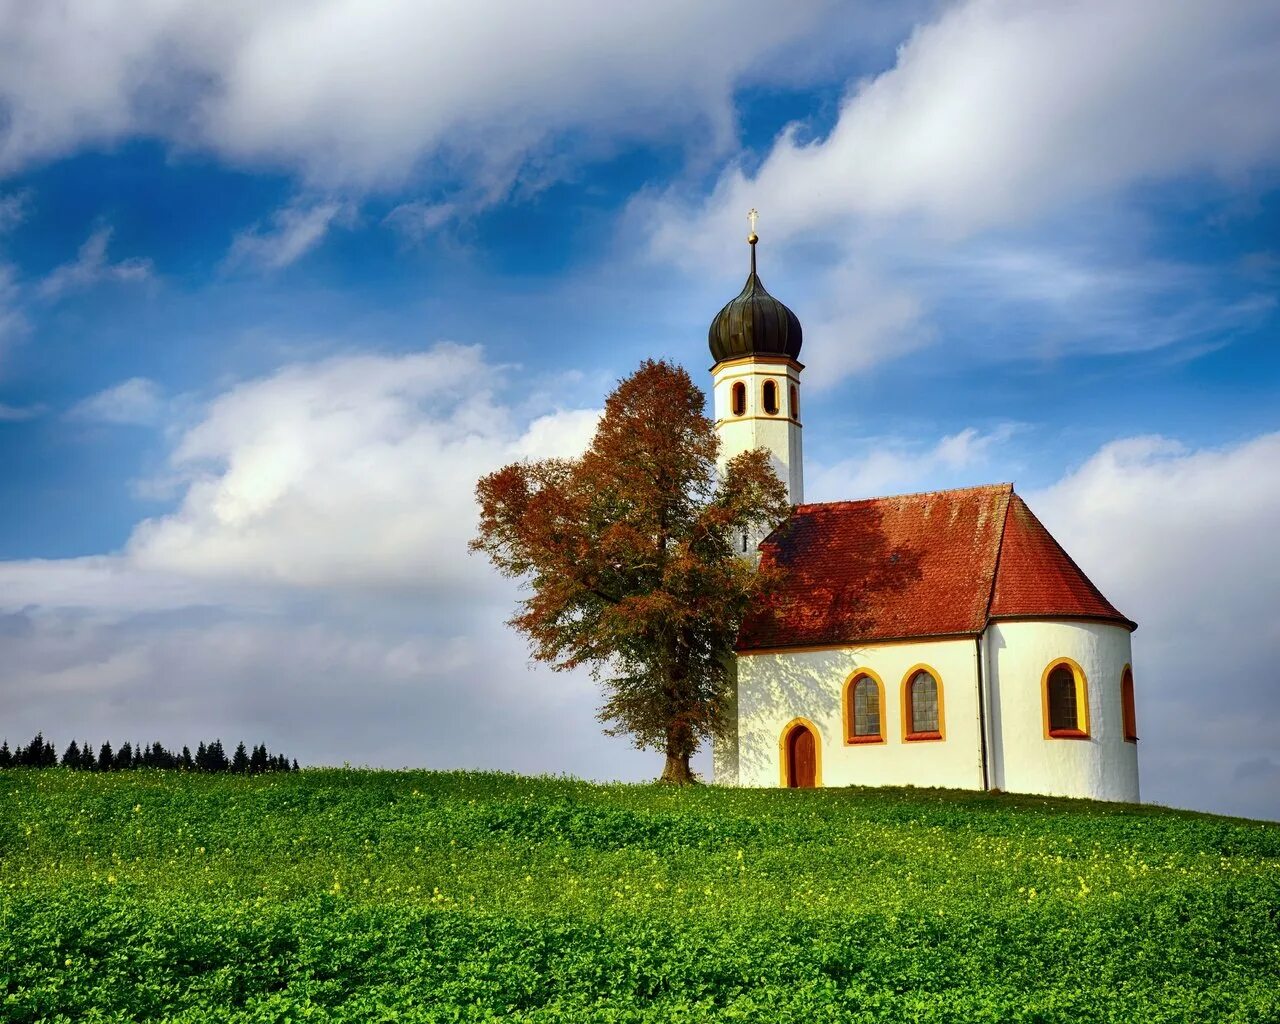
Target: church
935, 639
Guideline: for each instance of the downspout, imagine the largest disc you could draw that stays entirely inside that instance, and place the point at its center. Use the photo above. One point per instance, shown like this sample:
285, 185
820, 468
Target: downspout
982, 712
979, 650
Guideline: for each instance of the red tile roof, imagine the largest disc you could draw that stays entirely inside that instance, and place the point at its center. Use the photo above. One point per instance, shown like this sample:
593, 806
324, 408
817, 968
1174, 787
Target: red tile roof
1036, 578
916, 565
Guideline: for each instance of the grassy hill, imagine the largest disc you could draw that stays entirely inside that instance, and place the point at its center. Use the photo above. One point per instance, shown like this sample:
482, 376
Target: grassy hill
414, 896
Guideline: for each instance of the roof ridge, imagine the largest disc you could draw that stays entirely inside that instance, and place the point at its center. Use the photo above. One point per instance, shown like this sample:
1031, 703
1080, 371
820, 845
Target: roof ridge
995, 569
1007, 487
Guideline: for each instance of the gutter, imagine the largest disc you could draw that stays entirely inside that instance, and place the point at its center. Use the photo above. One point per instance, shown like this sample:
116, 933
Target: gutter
982, 715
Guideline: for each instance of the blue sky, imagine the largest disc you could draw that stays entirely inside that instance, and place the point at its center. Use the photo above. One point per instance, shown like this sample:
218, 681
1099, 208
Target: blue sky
277, 283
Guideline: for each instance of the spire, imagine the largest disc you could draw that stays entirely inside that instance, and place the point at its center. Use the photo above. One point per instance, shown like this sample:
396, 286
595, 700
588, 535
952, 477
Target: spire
754, 323
752, 237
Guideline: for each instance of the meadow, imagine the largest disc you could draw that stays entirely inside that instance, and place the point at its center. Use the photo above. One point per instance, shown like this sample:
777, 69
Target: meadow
344, 895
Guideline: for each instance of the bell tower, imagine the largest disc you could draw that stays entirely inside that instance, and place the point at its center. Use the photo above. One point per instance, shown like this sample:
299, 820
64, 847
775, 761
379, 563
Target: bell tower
755, 342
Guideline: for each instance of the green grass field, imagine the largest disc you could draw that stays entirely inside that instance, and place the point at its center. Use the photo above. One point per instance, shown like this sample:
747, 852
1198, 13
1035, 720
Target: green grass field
406, 896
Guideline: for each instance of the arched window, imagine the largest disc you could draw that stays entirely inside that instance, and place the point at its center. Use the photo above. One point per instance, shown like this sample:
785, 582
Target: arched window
922, 705
864, 709
1066, 701
739, 400
1126, 706
795, 403
770, 397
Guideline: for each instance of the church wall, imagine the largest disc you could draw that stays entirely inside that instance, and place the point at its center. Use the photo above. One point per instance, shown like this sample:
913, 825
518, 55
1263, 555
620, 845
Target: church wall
724, 748
1102, 767
775, 689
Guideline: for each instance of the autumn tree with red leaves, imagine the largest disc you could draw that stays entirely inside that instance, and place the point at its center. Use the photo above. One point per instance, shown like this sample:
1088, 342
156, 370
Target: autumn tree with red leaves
628, 552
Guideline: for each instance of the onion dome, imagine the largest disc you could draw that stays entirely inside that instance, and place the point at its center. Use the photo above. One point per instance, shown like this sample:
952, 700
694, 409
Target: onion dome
755, 323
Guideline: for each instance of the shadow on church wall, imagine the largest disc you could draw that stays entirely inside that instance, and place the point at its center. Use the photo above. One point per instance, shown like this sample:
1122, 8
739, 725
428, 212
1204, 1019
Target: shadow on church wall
838, 586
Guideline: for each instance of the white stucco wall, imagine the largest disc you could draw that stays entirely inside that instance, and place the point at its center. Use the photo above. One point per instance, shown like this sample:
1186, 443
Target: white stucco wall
774, 689
1023, 760
724, 748
780, 433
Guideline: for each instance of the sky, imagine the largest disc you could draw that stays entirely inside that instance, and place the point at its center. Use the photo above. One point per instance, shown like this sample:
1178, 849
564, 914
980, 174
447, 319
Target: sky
279, 281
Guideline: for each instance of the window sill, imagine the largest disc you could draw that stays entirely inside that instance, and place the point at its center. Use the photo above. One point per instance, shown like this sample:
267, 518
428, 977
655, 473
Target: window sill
850, 741
1068, 734
1131, 739
913, 736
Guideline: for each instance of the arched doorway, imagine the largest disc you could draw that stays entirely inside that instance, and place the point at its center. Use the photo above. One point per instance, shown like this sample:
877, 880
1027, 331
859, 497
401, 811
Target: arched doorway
800, 756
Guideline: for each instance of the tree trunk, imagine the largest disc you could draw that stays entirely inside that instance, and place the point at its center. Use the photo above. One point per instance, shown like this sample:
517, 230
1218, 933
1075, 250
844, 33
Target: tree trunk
679, 751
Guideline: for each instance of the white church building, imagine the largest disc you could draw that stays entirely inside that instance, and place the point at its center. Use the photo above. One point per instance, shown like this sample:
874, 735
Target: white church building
937, 639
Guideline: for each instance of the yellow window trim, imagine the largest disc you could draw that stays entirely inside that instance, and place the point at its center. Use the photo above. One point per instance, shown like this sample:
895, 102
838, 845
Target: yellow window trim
771, 374
850, 740
764, 359
750, 416
782, 751
907, 736
1082, 700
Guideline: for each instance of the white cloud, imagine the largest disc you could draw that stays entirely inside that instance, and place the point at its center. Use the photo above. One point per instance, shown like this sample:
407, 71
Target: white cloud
1000, 110
326, 687
353, 473
363, 93
312, 588
419, 220
313, 578
294, 231
14, 207
18, 413
136, 401
13, 322
994, 167
896, 465
1184, 542
356, 471
91, 266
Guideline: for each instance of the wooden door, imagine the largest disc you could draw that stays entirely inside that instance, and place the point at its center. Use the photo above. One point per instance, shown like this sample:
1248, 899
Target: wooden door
802, 758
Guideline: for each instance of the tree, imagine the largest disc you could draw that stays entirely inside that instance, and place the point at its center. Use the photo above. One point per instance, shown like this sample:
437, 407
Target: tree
187, 762
39, 753
258, 759
6, 755
105, 758
71, 756
240, 759
124, 756
218, 757
628, 552
87, 762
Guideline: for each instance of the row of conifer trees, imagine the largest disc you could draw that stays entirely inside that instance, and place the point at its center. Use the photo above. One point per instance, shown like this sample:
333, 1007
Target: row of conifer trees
209, 757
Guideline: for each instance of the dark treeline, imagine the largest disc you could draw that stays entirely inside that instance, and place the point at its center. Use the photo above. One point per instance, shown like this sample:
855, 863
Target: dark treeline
209, 757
